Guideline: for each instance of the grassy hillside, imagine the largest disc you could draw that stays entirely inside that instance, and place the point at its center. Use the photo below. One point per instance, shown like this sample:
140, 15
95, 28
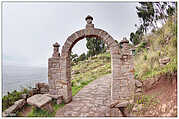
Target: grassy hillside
89, 70
162, 43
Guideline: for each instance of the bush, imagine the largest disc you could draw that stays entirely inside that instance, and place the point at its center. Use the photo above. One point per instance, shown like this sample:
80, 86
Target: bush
37, 112
8, 100
146, 62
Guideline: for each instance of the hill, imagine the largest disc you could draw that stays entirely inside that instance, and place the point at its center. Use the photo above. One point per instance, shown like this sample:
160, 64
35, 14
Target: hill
89, 70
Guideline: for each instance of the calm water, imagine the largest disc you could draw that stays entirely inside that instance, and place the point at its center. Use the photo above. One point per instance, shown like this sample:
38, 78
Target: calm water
18, 77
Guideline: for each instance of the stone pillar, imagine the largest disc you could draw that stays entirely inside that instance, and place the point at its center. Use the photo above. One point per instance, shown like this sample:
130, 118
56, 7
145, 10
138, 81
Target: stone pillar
123, 83
64, 84
54, 69
116, 68
127, 86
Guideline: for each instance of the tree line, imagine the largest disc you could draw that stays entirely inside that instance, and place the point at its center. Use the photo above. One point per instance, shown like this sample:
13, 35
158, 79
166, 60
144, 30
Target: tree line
151, 15
95, 46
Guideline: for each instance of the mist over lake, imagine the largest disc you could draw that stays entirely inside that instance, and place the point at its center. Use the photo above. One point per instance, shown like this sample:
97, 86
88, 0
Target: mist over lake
19, 77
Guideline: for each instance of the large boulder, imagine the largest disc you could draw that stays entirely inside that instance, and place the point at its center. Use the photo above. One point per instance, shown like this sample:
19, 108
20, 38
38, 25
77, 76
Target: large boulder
41, 101
11, 111
138, 84
58, 98
122, 104
20, 103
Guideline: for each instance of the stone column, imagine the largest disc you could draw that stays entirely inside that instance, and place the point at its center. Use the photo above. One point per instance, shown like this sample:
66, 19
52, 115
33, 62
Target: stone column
64, 84
123, 83
127, 85
116, 68
54, 69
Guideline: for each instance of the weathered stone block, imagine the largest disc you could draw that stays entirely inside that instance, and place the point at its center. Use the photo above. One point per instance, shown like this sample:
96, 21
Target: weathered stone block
138, 84
122, 104
41, 101
58, 98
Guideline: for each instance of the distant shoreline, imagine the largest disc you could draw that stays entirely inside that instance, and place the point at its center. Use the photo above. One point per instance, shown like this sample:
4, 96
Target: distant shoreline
19, 77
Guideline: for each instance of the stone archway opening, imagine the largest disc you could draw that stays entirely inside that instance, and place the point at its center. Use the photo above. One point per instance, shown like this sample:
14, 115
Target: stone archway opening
59, 66
89, 66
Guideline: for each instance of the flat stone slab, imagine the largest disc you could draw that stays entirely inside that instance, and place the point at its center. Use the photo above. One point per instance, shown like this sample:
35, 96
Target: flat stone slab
39, 100
54, 96
122, 104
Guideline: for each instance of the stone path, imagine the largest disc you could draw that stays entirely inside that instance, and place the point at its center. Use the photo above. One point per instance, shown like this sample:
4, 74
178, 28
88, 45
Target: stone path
91, 101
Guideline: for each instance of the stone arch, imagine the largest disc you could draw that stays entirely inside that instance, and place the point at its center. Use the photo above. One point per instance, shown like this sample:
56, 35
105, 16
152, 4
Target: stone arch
60, 76
72, 40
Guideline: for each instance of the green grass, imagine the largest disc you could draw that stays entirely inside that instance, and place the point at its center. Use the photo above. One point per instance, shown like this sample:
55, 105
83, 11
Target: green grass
90, 70
37, 112
8, 100
146, 62
147, 101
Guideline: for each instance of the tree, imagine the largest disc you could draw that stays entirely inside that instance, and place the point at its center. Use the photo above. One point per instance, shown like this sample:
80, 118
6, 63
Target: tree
150, 14
153, 12
146, 13
136, 37
95, 46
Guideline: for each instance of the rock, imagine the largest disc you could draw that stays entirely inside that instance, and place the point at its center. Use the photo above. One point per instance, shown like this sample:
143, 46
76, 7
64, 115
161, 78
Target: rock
164, 61
115, 112
138, 94
113, 104
131, 101
138, 84
74, 72
163, 108
41, 101
41, 85
148, 83
24, 96
122, 104
134, 109
35, 91
52, 91
11, 109
20, 103
138, 90
43, 90
58, 98
137, 107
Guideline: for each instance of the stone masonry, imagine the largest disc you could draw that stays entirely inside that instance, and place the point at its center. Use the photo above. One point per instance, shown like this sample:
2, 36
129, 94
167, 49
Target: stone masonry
54, 69
59, 70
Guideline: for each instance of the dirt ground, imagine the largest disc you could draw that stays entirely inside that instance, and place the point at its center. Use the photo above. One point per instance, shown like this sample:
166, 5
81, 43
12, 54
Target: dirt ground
166, 93
25, 111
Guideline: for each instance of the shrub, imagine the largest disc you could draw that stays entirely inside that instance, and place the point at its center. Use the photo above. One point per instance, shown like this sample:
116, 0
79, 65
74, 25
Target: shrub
146, 63
8, 100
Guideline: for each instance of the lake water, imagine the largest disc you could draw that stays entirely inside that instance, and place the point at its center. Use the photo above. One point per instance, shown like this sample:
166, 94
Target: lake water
18, 77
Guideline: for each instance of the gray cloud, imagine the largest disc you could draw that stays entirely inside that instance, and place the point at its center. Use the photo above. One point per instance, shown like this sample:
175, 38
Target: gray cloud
30, 29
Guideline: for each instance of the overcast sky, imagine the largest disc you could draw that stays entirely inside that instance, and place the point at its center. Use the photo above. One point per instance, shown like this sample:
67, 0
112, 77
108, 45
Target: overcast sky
30, 29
